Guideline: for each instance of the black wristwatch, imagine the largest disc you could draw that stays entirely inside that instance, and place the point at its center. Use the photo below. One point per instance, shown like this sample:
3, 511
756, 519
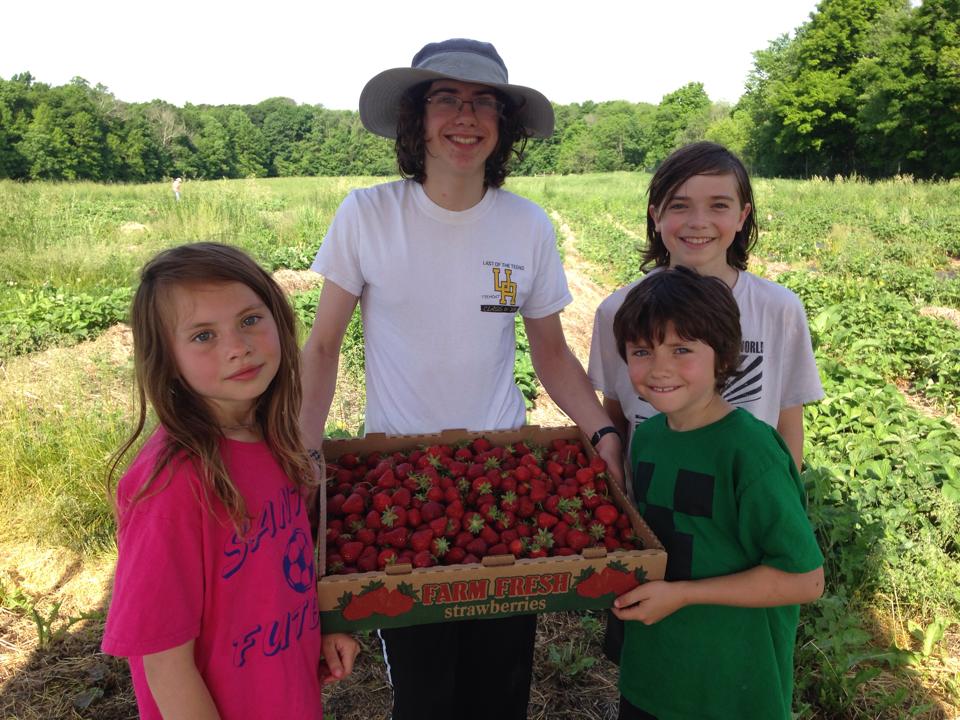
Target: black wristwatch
604, 431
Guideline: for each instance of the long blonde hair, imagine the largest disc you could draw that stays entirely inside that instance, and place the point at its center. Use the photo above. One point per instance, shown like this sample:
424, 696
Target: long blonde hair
192, 433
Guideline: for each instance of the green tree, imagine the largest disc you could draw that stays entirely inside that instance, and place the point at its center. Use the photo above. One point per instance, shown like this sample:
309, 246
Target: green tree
678, 111
249, 145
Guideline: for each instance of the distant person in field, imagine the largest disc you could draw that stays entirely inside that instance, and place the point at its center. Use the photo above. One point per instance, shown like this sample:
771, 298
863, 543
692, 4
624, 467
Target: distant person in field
441, 263
719, 487
701, 214
177, 182
218, 618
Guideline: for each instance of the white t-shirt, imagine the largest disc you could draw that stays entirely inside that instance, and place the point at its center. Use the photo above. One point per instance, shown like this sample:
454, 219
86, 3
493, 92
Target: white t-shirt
777, 369
439, 291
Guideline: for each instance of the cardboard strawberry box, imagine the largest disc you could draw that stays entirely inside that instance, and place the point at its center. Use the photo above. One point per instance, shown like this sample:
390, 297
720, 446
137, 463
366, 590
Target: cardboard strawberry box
497, 586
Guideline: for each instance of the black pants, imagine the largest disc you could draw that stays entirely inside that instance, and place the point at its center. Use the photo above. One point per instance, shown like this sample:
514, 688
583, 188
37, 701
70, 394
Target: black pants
462, 670
613, 638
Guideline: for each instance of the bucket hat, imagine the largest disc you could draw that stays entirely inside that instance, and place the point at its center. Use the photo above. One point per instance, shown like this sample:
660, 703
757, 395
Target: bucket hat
457, 59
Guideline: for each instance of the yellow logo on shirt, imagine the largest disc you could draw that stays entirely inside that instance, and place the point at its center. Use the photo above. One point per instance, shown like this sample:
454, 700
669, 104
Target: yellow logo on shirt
506, 287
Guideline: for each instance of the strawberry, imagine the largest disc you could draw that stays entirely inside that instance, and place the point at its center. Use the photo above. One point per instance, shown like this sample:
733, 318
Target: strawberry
353, 504
367, 562
477, 547
481, 445
563, 551
350, 551
335, 504
395, 538
489, 535
413, 517
498, 549
439, 547
470, 558
423, 559
454, 508
366, 536
584, 476
546, 520
348, 460
454, 555
509, 501
386, 557
438, 526
420, 540
516, 548
577, 540
473, 522
607, 514
432, 511
373, 520
401, 497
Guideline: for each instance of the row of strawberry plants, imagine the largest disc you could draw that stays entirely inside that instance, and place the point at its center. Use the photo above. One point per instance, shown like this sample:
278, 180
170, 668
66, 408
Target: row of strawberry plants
47, 317
862, 323
884, 488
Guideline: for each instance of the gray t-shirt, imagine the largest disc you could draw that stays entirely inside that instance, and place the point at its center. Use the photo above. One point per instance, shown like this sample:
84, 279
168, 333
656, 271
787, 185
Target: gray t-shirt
777, 369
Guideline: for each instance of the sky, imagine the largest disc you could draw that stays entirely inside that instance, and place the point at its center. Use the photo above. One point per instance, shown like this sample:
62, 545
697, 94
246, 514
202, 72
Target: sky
240, 52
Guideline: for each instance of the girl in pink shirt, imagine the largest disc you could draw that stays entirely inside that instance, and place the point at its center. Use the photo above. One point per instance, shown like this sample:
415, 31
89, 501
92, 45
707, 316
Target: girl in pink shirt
214, 600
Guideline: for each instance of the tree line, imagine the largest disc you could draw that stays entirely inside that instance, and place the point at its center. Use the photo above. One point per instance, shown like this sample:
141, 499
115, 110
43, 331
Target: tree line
864, 86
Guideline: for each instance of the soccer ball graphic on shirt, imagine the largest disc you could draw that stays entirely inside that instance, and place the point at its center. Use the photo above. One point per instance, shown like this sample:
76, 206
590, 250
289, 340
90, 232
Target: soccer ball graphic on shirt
298, 562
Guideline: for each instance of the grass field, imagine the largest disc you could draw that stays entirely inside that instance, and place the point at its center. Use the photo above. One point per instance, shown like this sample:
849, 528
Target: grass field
876, 265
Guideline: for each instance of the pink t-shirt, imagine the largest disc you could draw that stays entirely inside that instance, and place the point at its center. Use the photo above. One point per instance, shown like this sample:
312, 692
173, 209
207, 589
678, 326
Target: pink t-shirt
249, 603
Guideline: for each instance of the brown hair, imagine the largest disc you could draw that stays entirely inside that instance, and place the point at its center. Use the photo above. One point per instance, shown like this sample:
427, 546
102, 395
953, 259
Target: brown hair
192, 432
701, 308
411, 144
700, 158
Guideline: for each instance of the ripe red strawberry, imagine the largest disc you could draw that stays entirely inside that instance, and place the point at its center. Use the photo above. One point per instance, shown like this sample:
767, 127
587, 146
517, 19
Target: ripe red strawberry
598, 464
420, 540
498, 549
473, 522
386, 557
395, 538
489, 535
517, 548
414, 518
470, 558
481, 445
509, 501
454, 509
353, 504
335, 504
431, 511
462, 539
350, 551
607, 514
438, 526
562, 551
373, 520
584, 476
577, 540
435, 494
509, 535
454, 555
477, 547
348, 460
401, 497
367, 562
423, 559
366, 536
525, 507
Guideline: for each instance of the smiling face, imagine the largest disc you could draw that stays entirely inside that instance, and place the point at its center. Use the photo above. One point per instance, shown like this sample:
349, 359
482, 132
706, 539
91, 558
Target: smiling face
225, 344
677, 377
699, 222
458, 143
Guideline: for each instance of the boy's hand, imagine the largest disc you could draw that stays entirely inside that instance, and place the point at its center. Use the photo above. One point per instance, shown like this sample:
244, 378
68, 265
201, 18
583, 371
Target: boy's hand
339, 652
650, 602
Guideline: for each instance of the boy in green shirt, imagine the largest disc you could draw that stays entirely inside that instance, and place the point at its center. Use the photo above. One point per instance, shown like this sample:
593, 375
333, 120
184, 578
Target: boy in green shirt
714, 639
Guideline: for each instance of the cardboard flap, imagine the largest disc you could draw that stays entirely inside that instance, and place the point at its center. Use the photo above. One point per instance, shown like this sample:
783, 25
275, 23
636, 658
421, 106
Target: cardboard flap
399, 569
498, 560
592, 553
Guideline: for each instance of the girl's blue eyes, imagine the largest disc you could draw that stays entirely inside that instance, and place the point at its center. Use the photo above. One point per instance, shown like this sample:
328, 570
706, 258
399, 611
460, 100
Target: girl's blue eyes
206, 335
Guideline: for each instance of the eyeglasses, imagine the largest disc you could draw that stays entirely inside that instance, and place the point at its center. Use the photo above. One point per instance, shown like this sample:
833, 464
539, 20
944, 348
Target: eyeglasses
483, 106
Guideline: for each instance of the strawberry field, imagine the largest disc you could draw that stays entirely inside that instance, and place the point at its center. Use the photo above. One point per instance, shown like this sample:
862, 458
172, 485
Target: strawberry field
877, 266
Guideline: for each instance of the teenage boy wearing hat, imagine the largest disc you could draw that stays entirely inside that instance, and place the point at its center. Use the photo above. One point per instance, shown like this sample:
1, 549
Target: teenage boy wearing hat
441, 262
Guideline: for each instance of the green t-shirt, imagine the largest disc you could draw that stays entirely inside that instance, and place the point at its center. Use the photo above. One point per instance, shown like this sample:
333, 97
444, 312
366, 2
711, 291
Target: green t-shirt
722, 499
